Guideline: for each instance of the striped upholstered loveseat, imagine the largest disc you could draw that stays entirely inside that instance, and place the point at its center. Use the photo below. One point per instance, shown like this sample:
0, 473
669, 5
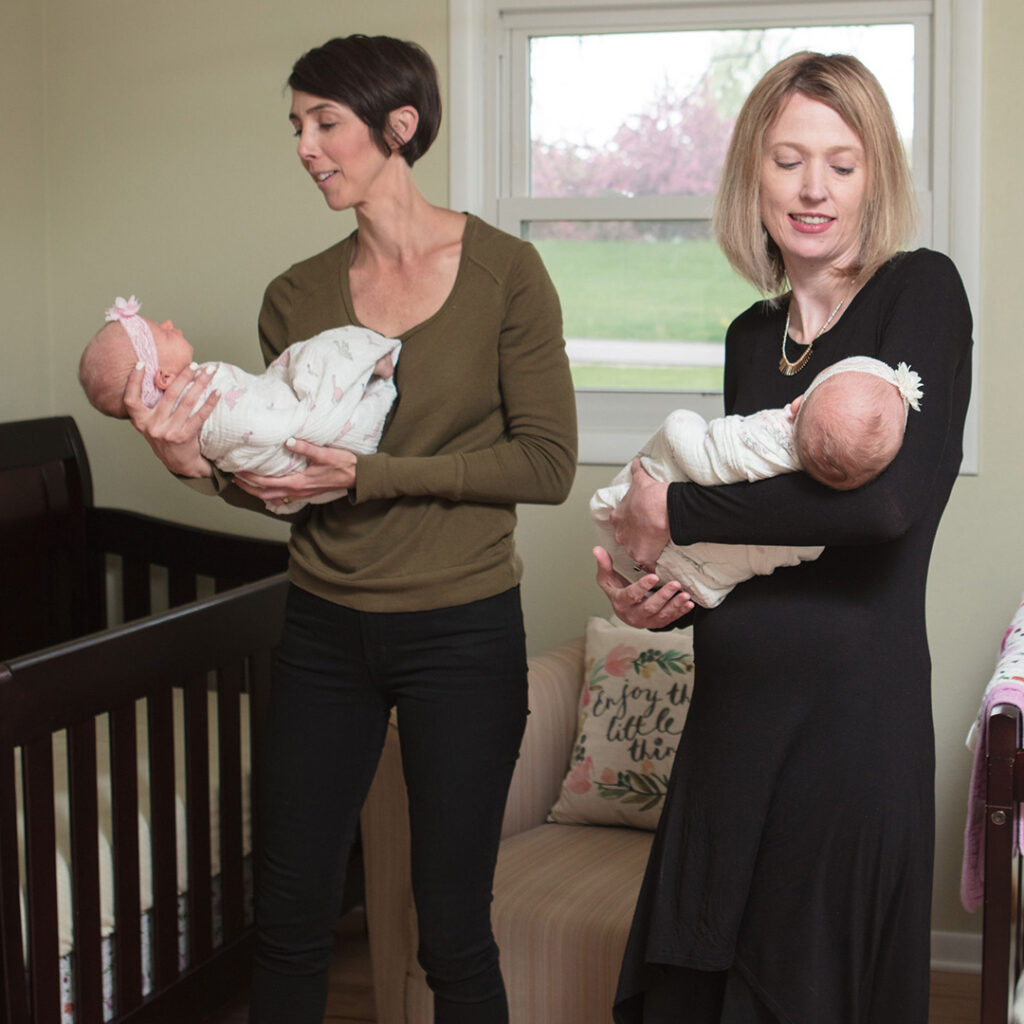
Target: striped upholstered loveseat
563, 894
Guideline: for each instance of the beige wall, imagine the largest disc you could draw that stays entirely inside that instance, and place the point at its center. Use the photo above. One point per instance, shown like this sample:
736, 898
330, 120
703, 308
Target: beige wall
145, 149
25, 386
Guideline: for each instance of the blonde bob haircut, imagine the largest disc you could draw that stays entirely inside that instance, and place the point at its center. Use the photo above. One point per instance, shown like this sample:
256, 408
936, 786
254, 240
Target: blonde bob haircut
844, 84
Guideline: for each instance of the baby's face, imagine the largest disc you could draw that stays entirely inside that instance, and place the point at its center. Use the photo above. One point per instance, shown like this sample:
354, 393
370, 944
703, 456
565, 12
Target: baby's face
173, 350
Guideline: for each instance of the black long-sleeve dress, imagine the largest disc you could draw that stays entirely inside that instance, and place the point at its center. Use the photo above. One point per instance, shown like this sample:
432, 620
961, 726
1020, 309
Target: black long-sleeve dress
795, 848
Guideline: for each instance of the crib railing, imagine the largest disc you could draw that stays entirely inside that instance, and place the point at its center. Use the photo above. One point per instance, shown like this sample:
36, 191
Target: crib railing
222, 642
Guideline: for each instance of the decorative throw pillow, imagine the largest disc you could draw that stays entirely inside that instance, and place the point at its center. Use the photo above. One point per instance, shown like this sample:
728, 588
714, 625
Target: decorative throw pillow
636, 692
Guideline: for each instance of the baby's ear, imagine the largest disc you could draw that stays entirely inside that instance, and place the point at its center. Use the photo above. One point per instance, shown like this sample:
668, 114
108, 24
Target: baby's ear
794, 406
162, 378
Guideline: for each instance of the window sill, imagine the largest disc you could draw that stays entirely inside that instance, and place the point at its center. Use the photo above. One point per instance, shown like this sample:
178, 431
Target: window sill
614, 425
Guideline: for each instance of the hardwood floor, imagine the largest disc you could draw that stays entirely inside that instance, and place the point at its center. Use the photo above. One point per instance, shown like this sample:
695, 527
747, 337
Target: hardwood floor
955, 999
350, 997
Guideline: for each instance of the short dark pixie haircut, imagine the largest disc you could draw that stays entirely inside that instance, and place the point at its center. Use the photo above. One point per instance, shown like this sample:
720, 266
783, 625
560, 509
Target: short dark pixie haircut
374, 75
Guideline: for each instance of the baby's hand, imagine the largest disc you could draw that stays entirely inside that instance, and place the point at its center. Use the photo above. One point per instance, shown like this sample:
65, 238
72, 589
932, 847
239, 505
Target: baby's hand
384, 367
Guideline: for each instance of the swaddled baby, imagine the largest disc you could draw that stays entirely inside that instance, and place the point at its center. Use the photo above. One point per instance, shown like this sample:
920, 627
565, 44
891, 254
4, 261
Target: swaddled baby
334, 389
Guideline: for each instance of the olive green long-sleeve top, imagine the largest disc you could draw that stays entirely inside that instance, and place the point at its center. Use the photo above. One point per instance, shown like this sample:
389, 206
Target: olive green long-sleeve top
485, 418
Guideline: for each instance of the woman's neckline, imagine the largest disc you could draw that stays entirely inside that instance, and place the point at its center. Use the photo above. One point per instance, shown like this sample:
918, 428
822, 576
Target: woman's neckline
848, 306
346, 287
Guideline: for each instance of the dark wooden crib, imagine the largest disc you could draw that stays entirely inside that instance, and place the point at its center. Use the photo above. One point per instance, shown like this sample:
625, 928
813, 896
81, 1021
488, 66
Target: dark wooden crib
1002, 958
67, 570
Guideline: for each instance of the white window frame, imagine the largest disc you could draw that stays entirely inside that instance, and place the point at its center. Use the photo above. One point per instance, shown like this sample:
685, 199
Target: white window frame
485, 36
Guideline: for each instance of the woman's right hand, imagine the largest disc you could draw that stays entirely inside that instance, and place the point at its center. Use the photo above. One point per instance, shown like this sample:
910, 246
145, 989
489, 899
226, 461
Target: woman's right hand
171, 427
640, 519
639, 604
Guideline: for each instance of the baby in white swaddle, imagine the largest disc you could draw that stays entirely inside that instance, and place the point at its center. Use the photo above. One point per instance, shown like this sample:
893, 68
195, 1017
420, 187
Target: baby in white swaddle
843, 431
333, 389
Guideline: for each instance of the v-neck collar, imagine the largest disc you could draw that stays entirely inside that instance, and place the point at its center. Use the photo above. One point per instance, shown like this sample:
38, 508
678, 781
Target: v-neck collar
346, 290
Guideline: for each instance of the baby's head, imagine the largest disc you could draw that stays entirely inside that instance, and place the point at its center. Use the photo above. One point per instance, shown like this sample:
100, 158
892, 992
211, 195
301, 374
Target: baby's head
126, 340
850, 421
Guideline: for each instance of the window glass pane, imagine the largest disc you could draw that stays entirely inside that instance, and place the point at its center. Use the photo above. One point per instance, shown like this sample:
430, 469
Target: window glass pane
645, 303
650, 113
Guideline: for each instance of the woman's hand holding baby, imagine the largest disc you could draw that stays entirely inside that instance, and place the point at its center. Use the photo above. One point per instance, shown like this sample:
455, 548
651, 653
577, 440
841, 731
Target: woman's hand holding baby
641, 518
643, 604
172, 427
641, 528
329, 469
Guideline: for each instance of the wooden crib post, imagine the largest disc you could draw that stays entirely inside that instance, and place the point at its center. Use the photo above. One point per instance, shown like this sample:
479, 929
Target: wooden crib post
999, 823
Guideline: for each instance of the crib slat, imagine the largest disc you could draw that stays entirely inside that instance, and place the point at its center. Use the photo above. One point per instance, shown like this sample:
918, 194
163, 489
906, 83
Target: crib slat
259, 695
65, 603
125, 800
181, 586
13, 992
85, 869
41, 882
229, 696
135, 581
197, 774
163, 837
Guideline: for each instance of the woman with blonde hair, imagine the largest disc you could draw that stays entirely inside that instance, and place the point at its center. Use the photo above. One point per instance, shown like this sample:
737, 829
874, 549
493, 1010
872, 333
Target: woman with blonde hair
790, 877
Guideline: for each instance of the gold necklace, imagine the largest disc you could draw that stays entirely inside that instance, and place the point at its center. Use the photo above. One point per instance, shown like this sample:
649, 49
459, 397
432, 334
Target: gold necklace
785, 366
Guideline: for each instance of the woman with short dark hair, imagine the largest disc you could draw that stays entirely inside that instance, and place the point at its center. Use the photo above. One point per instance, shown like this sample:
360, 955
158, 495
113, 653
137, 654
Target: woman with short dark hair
373, 76
405, 593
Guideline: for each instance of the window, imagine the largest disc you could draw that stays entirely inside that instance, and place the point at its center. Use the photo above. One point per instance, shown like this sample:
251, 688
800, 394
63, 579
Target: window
597, 130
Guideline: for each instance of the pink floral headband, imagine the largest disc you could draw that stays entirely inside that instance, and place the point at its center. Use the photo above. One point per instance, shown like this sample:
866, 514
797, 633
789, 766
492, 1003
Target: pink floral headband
126, 312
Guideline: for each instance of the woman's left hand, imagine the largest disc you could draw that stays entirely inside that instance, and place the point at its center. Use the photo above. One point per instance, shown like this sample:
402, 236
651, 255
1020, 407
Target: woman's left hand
644, 604
641, 518
329, 469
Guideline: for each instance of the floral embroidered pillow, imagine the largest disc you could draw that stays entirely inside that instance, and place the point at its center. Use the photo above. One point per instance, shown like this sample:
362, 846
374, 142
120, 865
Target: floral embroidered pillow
635, 696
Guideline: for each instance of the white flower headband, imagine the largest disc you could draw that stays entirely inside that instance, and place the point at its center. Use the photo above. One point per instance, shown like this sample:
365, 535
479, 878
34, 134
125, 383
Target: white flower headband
905, 380
126, 311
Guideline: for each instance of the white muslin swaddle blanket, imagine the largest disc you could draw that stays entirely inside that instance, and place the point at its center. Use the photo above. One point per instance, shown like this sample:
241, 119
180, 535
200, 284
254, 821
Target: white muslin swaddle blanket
322, 390
728, 450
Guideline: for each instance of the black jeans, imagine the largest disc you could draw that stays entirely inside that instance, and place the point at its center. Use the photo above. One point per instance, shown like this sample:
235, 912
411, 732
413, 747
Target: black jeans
458, 678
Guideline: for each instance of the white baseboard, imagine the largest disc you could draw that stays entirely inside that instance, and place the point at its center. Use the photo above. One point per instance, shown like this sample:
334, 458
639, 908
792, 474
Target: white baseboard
956, 951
